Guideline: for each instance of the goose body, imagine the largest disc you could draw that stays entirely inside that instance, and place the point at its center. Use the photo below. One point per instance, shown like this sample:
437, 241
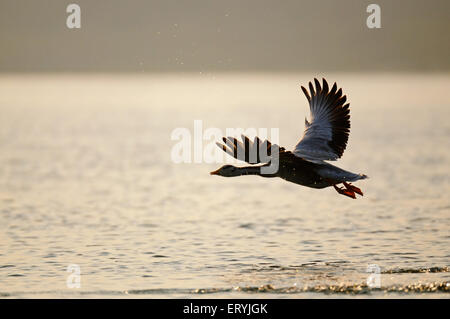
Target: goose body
325, 138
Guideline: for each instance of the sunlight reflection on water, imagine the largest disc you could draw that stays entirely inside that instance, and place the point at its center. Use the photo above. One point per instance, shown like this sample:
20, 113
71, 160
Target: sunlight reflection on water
87, 179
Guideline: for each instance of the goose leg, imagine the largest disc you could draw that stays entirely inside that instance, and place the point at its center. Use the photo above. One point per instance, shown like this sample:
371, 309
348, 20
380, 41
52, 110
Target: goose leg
355, 189
346, 192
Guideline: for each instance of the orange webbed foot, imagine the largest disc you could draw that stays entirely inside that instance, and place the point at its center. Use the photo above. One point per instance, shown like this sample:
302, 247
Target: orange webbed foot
352, 188
346, 192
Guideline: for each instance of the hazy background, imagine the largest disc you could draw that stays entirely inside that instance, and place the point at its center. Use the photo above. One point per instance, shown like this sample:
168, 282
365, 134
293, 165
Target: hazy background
201, 36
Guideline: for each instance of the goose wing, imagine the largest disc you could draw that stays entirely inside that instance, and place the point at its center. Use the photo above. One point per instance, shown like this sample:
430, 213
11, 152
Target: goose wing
326, 134
252, 152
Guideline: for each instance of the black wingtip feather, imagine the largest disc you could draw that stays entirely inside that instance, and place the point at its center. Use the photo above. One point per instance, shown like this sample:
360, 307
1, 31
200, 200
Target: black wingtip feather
324, 85
333, 89
311, 89
318, 88
305, 91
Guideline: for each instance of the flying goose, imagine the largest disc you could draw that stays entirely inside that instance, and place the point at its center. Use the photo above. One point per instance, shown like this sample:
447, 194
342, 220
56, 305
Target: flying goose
324, 139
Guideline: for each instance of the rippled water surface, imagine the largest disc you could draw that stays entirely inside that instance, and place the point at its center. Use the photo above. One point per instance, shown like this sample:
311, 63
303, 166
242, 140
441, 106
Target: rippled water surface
86, 178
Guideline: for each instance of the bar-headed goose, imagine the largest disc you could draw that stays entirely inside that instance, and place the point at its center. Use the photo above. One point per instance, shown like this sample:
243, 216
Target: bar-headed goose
325, 138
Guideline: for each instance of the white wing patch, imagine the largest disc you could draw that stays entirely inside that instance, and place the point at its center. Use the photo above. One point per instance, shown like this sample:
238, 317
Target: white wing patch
326, 134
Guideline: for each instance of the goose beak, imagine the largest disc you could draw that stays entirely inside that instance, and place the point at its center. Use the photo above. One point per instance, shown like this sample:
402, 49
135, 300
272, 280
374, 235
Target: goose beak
216, 172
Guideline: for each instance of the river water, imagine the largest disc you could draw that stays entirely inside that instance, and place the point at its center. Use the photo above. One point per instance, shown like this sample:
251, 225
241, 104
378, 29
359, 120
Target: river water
87, 181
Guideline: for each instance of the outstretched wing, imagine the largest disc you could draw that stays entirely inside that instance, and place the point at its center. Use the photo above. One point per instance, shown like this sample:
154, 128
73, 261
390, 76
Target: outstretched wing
252, 152
326, 134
